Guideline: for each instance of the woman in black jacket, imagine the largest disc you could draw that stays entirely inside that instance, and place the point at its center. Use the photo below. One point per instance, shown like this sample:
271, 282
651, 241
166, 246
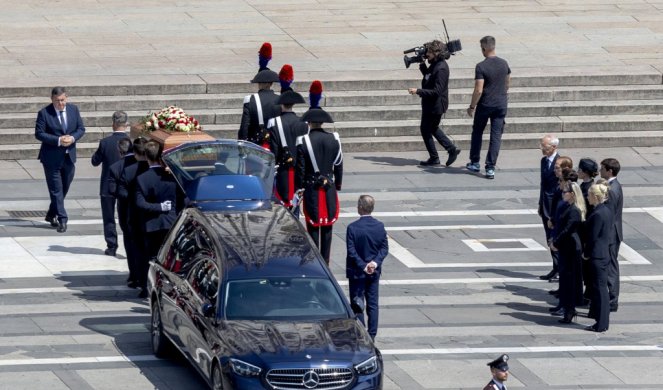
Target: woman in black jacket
566, 241
599, 233
434, 93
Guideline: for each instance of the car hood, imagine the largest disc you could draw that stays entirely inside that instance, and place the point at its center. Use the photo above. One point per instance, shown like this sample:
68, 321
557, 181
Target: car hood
276, 341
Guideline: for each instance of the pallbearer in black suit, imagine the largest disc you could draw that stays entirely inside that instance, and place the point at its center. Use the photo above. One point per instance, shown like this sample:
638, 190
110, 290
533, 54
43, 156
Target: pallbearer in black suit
106, 154
609, 170
600, 226
367, 247
260, 107
284, 131
320, 173
59, 125
128, 183
159, 200
549, 184
128, 166
500, 371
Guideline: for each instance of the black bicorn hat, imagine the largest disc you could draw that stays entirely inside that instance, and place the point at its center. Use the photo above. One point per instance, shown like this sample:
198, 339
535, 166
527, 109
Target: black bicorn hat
317, 115
290, 97
500, 363
266, 76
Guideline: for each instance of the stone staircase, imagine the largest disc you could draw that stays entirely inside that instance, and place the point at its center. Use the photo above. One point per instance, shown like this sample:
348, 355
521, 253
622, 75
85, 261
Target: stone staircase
602, 107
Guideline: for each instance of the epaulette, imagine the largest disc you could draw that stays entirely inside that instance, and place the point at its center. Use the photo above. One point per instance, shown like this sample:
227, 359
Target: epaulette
300, 140
247, 99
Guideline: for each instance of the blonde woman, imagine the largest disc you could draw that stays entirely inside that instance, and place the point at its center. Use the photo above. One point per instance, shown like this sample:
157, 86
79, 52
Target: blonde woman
566, 241
599, 234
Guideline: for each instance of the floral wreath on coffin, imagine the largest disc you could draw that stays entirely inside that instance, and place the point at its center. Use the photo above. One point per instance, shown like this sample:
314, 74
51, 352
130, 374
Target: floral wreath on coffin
173, 119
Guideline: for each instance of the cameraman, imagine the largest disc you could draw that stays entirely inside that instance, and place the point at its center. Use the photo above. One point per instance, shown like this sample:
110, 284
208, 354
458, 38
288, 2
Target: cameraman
434, 93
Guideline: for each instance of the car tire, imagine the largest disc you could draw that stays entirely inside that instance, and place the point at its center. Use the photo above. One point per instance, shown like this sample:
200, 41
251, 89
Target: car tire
160, 343
217, 378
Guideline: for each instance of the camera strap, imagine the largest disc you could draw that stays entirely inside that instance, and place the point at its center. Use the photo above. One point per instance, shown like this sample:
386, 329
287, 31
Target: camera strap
261, 121
314, 163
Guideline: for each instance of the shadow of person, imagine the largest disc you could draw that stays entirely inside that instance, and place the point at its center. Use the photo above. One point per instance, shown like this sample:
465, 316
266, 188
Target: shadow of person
386, 160
77, 250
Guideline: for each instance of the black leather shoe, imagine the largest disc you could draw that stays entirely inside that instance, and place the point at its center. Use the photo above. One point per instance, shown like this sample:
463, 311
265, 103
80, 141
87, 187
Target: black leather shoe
453, 155
554, 309
548, 275
132, 284
558, 313
110, 252
143, 293
429, 163
53, 221
553, 292
613, 308
62, 227
553, 279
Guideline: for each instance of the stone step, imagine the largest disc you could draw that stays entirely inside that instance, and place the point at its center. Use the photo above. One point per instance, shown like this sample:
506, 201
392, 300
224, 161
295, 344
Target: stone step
384, 113
333, 80
147, 103
510, 141
386, 129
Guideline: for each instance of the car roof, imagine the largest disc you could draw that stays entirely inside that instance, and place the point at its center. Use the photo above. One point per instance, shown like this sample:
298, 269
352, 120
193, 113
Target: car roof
265, 243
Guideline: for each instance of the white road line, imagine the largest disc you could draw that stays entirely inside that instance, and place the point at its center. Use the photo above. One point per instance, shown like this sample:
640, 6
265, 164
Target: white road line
388, 352
631, 256
54, 290
528, 245
464, 227
455, 213
405, 282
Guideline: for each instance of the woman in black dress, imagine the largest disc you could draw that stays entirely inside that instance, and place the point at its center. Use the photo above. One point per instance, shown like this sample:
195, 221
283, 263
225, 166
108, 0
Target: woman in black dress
599, 233
567, 242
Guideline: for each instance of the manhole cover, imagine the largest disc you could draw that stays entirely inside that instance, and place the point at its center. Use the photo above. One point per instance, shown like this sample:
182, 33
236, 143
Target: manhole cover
26, 213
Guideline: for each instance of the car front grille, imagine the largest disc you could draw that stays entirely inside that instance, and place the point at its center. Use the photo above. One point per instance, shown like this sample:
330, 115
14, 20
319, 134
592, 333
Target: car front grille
310, 378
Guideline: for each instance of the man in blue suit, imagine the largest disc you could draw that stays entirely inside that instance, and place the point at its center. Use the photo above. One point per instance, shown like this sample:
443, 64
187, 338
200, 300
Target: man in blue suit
107, 154
59, 126
367, 247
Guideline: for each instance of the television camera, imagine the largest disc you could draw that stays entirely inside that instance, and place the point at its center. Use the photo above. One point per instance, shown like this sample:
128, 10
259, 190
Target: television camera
419, 56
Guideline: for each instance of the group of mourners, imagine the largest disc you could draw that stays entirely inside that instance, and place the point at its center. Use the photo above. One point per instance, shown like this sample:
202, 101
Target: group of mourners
582, 218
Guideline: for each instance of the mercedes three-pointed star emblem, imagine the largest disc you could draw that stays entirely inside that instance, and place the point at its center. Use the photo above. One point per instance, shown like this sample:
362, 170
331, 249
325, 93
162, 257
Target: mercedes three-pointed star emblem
311, 380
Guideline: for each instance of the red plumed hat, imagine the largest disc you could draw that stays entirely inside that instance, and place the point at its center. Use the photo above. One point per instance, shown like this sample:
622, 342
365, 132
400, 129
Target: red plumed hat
315, 94
286, 76
264, 55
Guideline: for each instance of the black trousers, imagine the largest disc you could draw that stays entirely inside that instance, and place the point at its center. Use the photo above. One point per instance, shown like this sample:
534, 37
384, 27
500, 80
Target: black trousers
58, 181
481, 117
555, 255
322, 237
430, 128
108, 217
599, 308
570, 279
153, 241
613, 273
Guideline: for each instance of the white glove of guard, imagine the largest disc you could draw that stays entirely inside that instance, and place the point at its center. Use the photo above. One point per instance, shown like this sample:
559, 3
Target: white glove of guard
166, 205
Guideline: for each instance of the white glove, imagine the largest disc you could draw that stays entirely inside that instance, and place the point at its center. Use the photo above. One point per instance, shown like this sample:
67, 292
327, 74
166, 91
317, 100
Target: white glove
166, 205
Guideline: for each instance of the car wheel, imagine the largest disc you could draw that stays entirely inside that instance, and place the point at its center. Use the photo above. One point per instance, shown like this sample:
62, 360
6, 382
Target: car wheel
160, 342
217, 380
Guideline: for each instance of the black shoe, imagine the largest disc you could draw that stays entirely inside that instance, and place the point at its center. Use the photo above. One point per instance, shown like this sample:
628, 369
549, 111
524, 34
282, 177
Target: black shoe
110, 252
53, 221
143, 293
62, 227
594, 328
430, 162
554, 279
568, 317
132, 284
548, 275
553, 292
559, 312
453, 155
554, 309
613, 308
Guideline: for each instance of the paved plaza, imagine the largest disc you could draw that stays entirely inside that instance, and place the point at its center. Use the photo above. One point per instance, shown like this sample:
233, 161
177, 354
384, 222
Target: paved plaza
460, 286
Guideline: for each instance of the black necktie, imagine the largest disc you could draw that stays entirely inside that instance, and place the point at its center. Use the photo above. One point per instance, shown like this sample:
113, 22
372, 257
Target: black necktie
62, 121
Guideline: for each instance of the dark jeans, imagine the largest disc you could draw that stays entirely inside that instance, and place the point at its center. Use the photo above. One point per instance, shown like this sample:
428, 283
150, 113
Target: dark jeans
430, 128
58, 180
481, 116
367, 289
108, 216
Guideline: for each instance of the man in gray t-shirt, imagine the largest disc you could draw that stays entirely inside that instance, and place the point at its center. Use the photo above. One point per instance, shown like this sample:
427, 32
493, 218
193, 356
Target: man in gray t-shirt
489, 101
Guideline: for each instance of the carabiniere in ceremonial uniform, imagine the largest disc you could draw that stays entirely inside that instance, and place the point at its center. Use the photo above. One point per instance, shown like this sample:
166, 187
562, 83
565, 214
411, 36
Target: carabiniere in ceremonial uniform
319, 173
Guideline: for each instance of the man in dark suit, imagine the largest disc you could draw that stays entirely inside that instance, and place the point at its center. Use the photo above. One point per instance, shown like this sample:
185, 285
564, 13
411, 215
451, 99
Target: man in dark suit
610, 168
59, 125
123, 176
367, 247
108, 153
158, 198
549, 184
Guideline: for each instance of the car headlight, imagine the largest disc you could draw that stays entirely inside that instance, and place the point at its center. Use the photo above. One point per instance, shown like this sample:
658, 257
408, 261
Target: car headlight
243, 368
367, 367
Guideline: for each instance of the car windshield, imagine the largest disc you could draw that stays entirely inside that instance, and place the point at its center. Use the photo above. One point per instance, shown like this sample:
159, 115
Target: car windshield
283, 299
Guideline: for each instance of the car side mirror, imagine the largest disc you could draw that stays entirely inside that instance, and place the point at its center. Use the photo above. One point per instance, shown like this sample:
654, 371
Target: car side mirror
208, 310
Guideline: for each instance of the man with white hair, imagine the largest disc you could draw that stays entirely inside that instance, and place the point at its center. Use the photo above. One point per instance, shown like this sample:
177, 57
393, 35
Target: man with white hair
549, 184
